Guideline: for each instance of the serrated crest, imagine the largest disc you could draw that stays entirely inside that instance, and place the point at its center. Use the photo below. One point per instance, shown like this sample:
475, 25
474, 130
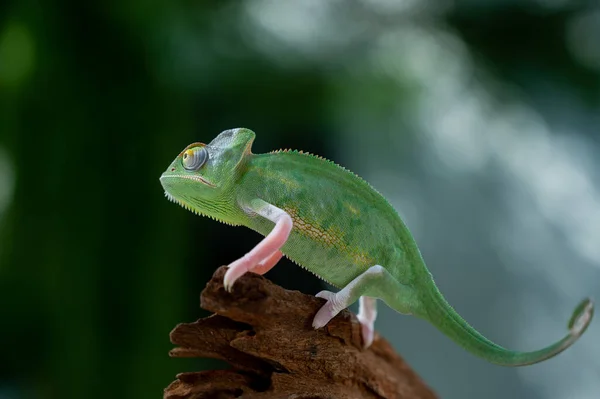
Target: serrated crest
319, 157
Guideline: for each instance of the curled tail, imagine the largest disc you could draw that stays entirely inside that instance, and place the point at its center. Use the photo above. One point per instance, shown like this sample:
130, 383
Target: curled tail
445, 318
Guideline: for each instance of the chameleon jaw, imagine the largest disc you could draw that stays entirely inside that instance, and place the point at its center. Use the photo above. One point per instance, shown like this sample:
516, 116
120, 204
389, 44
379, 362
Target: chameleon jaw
190, 177
190, 208
181, 203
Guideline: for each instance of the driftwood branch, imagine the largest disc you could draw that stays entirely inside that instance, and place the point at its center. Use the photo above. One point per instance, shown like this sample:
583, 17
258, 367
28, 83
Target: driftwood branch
264, 332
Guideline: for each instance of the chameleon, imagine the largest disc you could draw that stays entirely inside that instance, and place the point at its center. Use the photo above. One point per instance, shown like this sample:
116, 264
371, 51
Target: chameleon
334, 224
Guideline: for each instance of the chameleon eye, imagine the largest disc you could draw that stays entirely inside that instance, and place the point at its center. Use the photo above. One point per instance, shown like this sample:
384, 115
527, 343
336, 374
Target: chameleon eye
194, 158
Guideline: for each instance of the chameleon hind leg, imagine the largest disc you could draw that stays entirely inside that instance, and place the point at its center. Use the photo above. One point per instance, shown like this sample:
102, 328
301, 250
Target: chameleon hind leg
375, 282
266, 253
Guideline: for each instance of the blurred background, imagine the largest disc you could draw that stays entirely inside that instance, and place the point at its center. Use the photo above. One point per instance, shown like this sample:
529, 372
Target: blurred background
477, 119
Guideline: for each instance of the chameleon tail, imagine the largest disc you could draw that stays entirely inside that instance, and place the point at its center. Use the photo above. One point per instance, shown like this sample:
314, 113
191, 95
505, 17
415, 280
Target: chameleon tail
444, 317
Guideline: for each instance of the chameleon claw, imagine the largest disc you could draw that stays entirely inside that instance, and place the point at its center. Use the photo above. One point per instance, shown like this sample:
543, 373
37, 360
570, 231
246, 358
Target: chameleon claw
233, 273
327, 311
367, 312
368, 332
227, 283
322, 317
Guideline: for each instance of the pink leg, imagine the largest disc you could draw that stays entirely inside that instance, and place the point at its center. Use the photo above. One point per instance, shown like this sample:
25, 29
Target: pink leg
268, 263
261, 254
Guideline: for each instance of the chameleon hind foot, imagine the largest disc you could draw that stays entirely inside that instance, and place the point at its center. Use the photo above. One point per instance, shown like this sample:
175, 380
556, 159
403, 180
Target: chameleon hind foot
375, 282
335, 303
361, 285
367, 313
332, 307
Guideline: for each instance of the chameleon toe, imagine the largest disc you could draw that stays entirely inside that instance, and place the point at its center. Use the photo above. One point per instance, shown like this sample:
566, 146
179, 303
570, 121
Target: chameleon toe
368, 333
325, 314
325, 294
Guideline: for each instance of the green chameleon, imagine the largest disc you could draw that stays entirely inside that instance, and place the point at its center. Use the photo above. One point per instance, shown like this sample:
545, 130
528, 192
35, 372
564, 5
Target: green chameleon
334, 224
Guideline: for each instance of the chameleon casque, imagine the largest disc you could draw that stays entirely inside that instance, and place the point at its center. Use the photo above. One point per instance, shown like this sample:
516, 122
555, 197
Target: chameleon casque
333, 223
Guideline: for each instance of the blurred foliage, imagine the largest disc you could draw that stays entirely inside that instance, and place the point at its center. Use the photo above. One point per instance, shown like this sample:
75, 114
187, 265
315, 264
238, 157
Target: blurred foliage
96, 98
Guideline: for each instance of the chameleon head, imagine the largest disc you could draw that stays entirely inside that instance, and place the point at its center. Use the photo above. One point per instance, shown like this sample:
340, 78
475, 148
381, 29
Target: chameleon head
202, 176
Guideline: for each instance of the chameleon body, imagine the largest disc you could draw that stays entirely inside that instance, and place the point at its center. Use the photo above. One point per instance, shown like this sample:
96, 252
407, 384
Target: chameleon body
333, 223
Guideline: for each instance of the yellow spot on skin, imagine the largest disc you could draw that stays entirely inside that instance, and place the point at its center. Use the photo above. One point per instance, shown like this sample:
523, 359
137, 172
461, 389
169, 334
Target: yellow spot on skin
352, 209
289, 183
363, 260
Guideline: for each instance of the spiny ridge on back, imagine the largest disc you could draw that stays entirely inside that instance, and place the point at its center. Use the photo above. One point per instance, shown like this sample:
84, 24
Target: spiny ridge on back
311, 155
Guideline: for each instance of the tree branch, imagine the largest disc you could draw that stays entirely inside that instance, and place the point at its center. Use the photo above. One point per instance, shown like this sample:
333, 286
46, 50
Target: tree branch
264, 332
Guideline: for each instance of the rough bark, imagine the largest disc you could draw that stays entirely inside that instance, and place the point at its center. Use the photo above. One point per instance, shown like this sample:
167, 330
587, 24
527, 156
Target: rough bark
264, 332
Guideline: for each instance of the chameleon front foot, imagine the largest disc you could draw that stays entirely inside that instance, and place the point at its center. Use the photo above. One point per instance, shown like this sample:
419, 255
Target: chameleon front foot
238, 268
266, 253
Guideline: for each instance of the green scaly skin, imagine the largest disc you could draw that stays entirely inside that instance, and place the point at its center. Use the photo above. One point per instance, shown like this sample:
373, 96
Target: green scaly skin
341, 228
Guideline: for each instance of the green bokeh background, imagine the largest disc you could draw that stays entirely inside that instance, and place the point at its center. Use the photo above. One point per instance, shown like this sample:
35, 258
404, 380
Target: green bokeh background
97, 98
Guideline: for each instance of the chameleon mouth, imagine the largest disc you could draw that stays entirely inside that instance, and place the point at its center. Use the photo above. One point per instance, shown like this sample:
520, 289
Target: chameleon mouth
190, 177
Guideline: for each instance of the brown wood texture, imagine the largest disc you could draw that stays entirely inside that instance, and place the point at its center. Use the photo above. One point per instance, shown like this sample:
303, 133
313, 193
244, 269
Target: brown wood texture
264, 332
